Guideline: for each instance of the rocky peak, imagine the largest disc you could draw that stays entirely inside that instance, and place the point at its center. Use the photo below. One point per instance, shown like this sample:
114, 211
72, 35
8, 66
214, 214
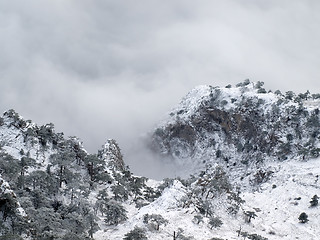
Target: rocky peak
243, 124
111, 153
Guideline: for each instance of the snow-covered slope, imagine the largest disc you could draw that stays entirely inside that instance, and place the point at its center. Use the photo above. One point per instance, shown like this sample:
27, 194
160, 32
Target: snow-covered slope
280, 201
277, 204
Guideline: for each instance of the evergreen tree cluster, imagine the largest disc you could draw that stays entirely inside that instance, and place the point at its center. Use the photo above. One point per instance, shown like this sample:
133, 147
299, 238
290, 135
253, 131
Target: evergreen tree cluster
58, 191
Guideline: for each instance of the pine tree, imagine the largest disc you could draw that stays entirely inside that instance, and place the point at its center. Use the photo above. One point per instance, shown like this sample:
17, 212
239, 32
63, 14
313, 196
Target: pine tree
120, 193
136, 184
63, 160
115, 213
92, 222
314, 201
249, 215
96, 168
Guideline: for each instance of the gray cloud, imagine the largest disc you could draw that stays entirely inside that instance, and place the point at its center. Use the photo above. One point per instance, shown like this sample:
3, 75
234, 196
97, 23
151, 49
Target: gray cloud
111, 69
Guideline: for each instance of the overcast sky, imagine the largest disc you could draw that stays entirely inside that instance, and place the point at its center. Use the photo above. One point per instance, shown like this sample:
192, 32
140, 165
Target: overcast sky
102, 69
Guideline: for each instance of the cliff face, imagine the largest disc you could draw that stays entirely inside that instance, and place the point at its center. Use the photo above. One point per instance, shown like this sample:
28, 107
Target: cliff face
240, 124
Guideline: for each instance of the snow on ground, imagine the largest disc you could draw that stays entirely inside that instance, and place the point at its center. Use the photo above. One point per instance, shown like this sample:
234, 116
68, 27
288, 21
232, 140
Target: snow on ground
11, 139
283, 199
311, 104
277, 204
13, 142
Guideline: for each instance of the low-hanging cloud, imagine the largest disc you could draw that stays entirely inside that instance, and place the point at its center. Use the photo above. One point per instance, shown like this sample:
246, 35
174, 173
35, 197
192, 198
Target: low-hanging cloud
112, 69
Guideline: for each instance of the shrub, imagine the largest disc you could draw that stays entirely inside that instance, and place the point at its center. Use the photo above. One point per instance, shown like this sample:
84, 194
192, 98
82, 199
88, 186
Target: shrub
303, 217
154, 220
136, 234
215, 222
197, 219
262, 90
249, 215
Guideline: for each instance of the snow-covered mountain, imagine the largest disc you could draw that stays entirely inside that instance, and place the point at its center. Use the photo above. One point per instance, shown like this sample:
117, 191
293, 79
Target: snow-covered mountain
240, 125
253, 157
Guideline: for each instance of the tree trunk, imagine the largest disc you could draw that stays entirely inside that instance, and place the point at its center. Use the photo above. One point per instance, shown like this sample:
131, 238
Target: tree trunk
60, 177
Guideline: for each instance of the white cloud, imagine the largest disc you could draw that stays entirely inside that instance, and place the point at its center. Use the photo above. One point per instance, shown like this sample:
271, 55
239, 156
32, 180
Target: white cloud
111, 69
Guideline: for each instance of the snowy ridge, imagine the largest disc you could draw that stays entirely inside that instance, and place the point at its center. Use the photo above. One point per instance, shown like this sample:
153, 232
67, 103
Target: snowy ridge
198, 96
255, 124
